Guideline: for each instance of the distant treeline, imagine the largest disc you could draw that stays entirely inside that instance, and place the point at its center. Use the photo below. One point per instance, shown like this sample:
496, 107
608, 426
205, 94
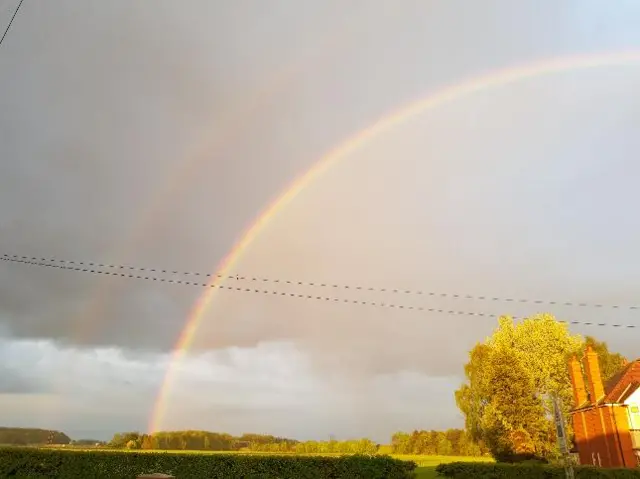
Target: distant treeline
453, 442
22, 436
88, 442
213, 441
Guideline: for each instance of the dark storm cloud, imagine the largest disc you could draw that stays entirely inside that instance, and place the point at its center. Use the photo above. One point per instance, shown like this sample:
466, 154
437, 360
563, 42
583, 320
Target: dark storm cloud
104, 105
18, 381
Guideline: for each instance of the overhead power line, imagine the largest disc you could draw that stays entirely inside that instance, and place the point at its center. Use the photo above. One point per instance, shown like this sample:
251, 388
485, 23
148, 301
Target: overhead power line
318, 284
86, 267
10, 22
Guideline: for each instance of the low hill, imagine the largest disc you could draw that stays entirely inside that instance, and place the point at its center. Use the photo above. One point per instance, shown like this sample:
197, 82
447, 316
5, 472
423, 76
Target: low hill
24, 436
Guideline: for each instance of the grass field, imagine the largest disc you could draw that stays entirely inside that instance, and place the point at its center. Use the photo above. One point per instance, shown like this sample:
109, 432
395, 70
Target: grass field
426, 464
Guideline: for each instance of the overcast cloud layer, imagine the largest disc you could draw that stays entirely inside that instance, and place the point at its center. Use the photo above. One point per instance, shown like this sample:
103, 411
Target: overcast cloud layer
152, 134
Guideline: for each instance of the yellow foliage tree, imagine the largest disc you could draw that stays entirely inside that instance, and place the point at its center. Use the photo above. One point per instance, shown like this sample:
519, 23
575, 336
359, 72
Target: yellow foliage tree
510, 380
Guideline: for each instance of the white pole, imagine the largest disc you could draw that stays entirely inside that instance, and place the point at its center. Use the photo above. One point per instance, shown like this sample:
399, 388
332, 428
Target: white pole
562, 436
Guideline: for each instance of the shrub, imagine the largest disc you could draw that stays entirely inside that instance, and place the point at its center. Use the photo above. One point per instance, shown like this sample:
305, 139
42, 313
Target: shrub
471, 470
514, 458
40, 463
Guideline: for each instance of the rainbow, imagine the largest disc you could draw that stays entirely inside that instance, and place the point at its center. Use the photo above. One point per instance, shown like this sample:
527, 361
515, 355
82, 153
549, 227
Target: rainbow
447, 94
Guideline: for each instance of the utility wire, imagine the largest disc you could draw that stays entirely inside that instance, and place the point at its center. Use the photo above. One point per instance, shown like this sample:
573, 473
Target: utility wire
90, 268
10, 22
237, 277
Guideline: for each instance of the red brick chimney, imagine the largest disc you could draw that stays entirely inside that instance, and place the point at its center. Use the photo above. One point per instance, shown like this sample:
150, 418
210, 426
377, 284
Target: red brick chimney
593, 374
577, 382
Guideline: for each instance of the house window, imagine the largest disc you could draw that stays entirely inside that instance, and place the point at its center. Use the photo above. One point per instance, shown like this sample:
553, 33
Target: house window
634, 416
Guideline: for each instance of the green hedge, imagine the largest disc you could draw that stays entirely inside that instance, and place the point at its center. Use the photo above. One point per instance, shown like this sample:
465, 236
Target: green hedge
41, 463
468, 470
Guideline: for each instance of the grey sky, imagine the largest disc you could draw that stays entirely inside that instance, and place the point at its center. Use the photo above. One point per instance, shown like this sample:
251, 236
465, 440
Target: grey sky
153, 133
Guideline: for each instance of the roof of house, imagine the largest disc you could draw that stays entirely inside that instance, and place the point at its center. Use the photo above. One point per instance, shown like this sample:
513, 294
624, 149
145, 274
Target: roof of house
623, 384
619, 387
615, 379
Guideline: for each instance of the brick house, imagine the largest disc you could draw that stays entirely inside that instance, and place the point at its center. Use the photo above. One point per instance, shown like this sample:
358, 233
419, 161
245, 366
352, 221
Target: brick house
605, 417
